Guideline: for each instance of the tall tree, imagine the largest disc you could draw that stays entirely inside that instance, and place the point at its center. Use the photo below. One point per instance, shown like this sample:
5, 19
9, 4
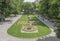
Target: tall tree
27, 7
8, 7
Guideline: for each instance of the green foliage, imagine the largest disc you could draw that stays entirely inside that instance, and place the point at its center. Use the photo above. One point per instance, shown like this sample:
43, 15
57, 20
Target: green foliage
27, 7
8, 7
15, 6
50, 8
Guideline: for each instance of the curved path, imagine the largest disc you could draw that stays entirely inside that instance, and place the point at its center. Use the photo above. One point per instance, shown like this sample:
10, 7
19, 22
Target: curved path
5, 37
3, 31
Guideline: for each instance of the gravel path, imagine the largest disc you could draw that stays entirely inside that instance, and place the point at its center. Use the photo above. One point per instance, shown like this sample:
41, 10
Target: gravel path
5, 37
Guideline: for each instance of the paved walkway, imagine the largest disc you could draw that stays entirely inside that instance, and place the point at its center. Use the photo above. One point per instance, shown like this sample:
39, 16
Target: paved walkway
45, 21
51, 26
3, 31
5, 37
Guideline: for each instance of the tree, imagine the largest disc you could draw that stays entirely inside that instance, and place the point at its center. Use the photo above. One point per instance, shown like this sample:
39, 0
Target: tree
15, 6
8, 7
51, 10
27, 7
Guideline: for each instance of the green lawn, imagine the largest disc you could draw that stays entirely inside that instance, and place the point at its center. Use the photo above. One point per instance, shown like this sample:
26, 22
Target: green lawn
15, 30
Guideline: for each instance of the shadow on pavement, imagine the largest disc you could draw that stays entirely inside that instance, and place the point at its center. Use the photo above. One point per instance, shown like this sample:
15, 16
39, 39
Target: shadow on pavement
49, 39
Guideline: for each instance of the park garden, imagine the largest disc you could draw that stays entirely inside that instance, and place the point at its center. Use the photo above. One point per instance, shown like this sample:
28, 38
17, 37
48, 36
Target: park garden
29, 26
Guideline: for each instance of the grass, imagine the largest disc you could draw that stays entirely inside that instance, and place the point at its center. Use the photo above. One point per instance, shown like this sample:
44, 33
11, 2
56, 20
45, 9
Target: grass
15, 30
